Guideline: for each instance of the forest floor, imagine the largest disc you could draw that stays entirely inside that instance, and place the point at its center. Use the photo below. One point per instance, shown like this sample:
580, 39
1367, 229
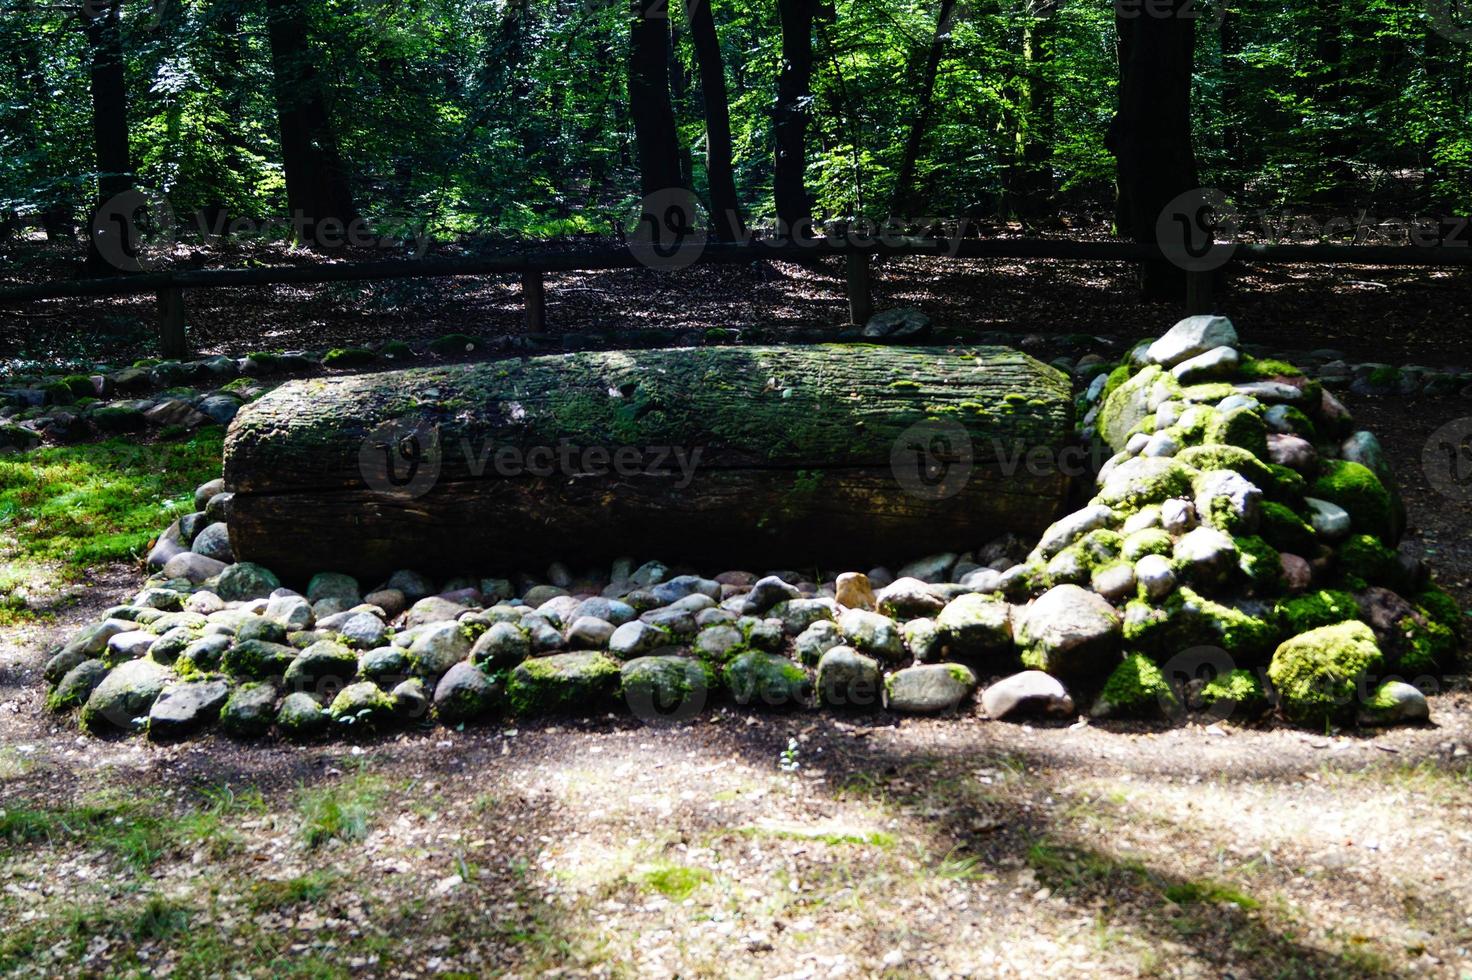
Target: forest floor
760, 844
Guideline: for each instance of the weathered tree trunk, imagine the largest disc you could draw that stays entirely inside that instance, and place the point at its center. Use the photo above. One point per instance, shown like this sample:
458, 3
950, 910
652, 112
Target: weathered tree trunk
723, 456
727, 224
1150, 135
790, 117
318, 192
1032, 192
908, 200
109, 89
649, 99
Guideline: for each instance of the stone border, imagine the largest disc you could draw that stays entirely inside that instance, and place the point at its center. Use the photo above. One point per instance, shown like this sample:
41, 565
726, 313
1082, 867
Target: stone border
1237, 560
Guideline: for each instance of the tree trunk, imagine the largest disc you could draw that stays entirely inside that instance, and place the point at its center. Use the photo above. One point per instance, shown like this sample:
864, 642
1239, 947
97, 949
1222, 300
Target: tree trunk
790, 117
762, 456
1032, 194
1150, 135
108, 83
318, 192
727, 224
907, 198
655, 138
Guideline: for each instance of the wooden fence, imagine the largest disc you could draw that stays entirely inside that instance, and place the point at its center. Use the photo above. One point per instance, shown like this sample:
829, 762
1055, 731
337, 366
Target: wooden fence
533, 267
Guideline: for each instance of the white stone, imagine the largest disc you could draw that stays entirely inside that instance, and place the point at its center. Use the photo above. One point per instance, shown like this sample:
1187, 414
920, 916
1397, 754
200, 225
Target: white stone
1191, 336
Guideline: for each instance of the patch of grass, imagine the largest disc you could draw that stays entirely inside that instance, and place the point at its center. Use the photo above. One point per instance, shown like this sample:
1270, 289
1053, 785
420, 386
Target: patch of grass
78, 505
160, 918
269, 895
66, 508
831, 836
1208, 892
676, 882
339, 812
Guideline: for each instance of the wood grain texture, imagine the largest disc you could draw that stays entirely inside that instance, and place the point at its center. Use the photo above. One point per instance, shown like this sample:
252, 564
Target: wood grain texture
795, 461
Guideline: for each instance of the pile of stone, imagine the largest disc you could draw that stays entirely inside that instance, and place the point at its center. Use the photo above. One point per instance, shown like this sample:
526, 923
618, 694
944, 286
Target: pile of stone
1238, 558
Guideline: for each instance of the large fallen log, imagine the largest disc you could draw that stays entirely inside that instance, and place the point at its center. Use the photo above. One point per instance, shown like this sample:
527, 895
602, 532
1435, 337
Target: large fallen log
807, 457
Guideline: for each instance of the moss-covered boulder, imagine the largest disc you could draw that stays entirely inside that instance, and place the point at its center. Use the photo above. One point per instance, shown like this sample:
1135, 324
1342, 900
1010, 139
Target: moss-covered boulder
464, 694
1235, 693
1413, 643
1319, 674
1282, 527
1360, 492
765, 679
975, 625
1362, 560
667, 688
873, 634
257, 659
1136, 689
122, 699
1240, 427
250, 710
928, 689
1323, 607
1394, 703
184, 707
76, 685
438, 647
1132, 402
1186, 619
1069, 632
848, 680
362, 707
321, 667
564, 682
244, 581
300, 716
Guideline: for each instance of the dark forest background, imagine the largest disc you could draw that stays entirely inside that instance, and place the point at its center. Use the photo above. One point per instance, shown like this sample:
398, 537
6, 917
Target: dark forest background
552, 118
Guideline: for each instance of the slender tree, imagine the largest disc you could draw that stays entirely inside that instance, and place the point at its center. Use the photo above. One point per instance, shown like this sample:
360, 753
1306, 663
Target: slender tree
907, 197
656, 141
318, 192
1032, 193
109, 90
1150, 135
790, 125
727, 223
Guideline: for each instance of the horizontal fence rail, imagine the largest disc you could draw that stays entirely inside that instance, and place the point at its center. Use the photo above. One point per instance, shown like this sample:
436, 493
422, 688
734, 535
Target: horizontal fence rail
533, 265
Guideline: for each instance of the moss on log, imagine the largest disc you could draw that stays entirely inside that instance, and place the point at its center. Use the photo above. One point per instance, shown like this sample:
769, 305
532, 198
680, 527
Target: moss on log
770, 456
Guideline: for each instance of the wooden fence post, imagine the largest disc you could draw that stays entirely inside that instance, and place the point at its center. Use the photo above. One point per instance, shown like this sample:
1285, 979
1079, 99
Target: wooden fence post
534, 299
860, 299
1199, 297
172, 340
